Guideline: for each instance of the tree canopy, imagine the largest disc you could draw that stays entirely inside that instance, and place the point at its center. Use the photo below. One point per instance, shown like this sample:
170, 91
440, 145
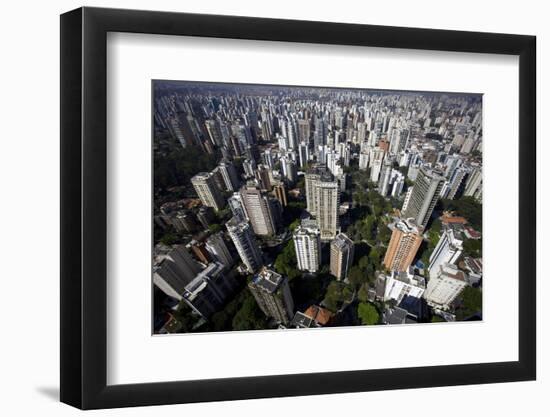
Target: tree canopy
367, 313
471, 302
286, 262
467, 207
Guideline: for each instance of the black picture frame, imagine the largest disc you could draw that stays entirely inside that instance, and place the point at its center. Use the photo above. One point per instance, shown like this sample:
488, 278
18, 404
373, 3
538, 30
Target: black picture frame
84, 207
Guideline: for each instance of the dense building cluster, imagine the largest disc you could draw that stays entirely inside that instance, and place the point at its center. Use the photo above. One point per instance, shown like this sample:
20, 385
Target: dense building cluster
293, 207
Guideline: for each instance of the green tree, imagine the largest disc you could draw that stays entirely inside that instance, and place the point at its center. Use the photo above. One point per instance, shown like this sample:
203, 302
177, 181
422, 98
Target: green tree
169, 238
367, 313
363, 294
334, 295
286, 261
384, 234
357, 276
473, 247
375, 256
249, 316
363, 262
294, 225
471, 302
215, 228
467, 207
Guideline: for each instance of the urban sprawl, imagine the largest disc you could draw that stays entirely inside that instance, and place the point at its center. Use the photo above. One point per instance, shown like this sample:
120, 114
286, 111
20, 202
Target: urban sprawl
297, 207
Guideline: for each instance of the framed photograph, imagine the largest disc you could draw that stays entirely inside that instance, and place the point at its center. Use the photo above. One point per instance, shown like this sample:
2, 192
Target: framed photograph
257, 208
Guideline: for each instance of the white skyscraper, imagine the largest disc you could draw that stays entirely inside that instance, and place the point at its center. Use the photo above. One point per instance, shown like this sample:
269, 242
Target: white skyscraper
290, 171
376, 157
473, 184
303, 154
398, 182
447, 250
208, 192
215, 244
307, 243
385, 178
229, 175
258, 210
243, 238
424, 196
327, 195
363, 160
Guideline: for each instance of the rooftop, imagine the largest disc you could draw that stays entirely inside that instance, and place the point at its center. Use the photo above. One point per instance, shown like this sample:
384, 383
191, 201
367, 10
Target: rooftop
301, 320
409, 278
268, 280
406, 226
342, 241
319, 314
452, 271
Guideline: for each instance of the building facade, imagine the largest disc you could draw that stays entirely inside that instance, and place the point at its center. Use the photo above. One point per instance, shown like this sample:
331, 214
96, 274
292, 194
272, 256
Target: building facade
258, 210
207, 190
307, 244
404, 243
447, 250
243, 238
424, 196
341, 256
216, 245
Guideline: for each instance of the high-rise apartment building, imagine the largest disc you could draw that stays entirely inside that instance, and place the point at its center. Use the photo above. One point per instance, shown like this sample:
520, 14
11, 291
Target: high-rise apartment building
259, 210
327, 195
303, 154
384, 180
341, 256
304, 130
445, 286
173, 271
323, 200
307, 244
404, 243
376, 158
216, 245
236, 206
424, 196
457, 183
473, 186
279, 191
290, 171
262, 175
243, 238
320, 134
229, 175
363, 160
447, 250
208, 192
272, 293
311, 178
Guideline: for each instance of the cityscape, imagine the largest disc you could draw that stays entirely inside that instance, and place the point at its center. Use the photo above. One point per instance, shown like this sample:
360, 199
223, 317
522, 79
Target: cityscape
287, 207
